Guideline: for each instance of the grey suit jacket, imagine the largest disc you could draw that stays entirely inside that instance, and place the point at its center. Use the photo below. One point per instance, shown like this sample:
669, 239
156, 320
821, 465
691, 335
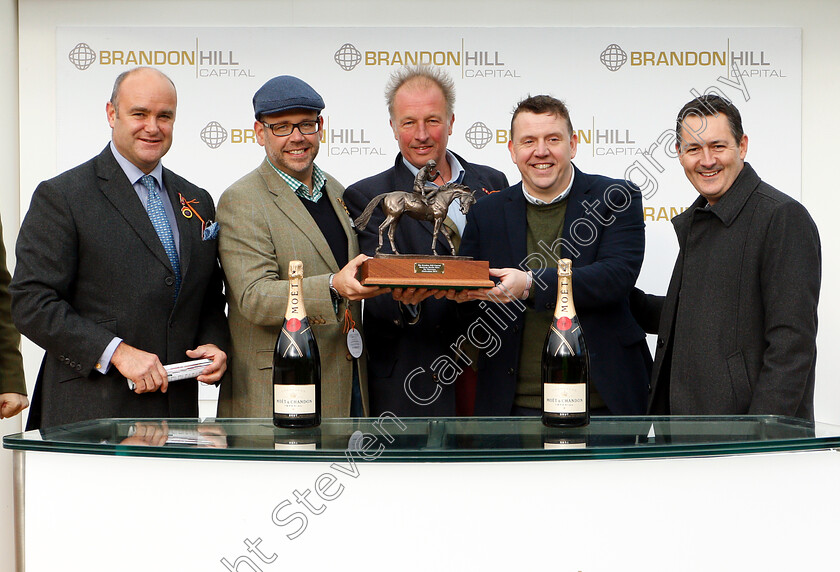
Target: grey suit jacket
737, 330
91, 266
264, 226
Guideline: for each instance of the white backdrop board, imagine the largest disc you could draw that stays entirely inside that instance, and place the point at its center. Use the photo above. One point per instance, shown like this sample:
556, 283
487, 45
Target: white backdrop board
623, 86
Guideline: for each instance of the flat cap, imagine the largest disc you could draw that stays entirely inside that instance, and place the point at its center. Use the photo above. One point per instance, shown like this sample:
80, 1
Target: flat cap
283, 93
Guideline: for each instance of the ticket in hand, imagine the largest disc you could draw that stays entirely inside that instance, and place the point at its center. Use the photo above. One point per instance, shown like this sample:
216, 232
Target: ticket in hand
183, 370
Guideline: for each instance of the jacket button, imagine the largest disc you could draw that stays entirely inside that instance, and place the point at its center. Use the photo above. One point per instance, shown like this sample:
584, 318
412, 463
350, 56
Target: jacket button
72, 364
169, 281
660, 343
78, 367
510, 371
349, 357
549, 306
396, 322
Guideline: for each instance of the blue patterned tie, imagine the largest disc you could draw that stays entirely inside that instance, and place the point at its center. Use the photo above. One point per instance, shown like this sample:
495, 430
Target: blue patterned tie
157, 215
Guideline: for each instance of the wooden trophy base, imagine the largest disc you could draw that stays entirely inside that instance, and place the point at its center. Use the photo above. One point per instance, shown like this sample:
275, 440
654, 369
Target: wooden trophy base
425, 271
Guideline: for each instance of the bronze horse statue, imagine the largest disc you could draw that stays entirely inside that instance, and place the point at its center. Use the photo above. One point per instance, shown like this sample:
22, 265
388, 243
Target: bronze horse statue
397, 203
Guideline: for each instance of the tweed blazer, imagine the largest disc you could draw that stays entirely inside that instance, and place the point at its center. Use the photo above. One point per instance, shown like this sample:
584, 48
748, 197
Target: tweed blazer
263, 225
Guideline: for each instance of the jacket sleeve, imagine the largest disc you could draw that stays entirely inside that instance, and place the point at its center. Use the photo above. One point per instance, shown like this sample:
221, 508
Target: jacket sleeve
11, 363
790, 278
42, 287
621, 250
646, 310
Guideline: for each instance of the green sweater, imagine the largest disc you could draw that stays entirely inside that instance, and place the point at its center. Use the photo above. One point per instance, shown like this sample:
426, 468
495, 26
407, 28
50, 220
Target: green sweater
545, 223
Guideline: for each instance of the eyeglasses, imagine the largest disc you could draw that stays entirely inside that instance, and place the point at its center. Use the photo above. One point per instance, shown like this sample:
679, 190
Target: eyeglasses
308, 127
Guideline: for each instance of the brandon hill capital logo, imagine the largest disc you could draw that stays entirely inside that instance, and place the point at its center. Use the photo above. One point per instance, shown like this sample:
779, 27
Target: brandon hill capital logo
214, 134
82, 56
348, 57
613, 57
478, 135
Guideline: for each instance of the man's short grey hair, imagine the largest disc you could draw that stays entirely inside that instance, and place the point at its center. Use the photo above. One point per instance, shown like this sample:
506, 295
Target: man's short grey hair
426, 75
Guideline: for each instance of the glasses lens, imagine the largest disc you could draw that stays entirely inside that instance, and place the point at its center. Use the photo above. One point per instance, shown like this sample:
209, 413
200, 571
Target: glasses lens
282, 129
308, 127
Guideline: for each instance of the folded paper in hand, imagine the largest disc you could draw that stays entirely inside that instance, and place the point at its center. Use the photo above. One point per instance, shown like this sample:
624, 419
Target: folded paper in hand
183, 370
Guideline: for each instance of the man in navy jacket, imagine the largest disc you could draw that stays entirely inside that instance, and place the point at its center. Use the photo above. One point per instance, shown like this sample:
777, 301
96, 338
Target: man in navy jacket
406, 337
557, 211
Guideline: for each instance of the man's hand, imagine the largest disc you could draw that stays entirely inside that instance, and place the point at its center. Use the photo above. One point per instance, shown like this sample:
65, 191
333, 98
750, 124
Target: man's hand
11, 404
414, 295
511, 287
148, 434
348, 285
213, 372
143, 368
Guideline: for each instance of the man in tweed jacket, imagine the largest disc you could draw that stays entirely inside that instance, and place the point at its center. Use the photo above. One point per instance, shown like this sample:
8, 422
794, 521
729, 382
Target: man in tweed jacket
289, 209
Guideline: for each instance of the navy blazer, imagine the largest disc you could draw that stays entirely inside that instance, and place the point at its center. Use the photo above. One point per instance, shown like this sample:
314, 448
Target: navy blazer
397, 348
91, 266
603, 235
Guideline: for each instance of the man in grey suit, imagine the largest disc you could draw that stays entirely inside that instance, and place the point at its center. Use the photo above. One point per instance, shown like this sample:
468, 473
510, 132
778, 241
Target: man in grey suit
738, 327
114, 279
289, 209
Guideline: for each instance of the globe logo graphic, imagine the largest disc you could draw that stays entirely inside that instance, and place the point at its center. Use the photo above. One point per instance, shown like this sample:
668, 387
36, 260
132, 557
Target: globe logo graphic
613, 57
479, 135
213, 134
82, 56
348, 57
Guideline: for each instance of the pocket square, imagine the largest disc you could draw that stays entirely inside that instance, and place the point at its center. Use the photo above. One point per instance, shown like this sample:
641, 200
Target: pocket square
211, 231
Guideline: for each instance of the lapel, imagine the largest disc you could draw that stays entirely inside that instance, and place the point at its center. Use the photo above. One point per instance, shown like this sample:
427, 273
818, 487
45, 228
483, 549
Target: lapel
574, 208
118, 190
290, 205
187, 229
516, 222
344, 218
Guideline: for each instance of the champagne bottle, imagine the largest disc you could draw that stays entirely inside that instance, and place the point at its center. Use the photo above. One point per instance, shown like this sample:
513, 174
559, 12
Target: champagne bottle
565, 361
297, 362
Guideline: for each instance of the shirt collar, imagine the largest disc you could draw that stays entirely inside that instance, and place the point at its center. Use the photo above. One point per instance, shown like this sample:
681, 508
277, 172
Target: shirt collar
455, 166
133, 172
535, 201
319, 180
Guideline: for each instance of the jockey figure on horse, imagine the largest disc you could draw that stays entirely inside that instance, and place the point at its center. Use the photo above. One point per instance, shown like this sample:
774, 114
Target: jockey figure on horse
427, 173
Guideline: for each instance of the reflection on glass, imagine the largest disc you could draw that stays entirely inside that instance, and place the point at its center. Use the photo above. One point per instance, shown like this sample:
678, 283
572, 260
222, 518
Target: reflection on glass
439, 439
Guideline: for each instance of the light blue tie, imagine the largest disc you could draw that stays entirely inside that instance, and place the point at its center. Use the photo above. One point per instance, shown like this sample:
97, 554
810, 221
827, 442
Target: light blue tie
157, 214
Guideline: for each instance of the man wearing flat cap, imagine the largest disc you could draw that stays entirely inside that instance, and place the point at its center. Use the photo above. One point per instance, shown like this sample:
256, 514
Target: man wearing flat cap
289, 209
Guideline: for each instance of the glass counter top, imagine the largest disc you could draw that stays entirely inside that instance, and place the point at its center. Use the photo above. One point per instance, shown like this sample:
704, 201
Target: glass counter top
456, 439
